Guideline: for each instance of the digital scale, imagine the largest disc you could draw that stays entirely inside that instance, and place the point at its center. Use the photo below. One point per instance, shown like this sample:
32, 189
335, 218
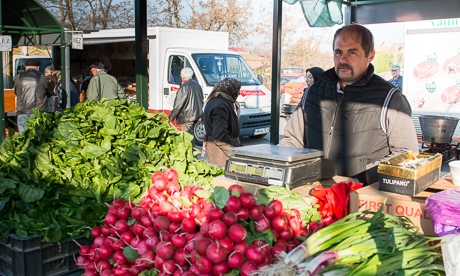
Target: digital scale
275, 165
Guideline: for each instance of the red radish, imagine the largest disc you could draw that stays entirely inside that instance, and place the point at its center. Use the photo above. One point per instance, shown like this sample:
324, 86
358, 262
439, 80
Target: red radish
106, 230
277, 249
214, 214
201, 244
158, 262
233, 204
193, 256
287, 234
237, 233
174, 216
216, 253
236, 189
105, 252
166, 207
118, 245
248, 200
178, 240
124, 212
134, 242
229, 218
241, 247
173, 227
226, 243
204, 265
204, 228
195, 270
280, 222
254, 254
95, 231
119, 258
235, 260
99, 241
90, 272
110, 219
248, 268
149, 232
217, 229
160, 184
151, 242
269, 212
121, 226
189, 225
165, 236
262, 224
156, 176
84, 250
137, 228
165, 250
256, 212
220, 269
171, 174
127, 237
172, 187
102, 265
161, 223
275, 234
277, 205
169, 267
243, 214
146, 221
180, 256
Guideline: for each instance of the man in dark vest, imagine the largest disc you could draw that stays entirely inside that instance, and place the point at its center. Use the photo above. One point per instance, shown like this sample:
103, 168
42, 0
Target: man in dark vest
354, 116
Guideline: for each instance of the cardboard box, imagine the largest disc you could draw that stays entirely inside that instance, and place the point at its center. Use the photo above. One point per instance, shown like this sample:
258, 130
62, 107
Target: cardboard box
371, 198
409, 177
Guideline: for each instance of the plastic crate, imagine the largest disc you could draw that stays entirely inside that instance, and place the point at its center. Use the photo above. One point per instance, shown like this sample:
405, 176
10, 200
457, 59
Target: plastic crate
32, 257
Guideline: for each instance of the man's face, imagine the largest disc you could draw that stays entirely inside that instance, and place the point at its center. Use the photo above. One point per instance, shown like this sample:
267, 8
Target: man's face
395, 73
350, 61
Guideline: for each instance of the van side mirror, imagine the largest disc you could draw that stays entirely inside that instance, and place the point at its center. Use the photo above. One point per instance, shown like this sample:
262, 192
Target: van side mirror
260, 78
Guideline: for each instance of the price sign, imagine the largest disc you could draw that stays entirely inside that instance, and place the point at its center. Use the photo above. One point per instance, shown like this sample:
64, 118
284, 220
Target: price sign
77, 41
5, 43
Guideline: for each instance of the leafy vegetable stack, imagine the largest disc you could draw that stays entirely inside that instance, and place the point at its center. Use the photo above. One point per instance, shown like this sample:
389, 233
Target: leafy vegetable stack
56, 177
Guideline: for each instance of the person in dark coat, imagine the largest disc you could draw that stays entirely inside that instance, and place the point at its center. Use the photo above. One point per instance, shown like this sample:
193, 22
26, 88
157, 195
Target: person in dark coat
188, 104
220, 120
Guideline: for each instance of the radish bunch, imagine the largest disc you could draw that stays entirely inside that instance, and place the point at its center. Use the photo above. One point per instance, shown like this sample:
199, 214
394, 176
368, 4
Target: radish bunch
174, 231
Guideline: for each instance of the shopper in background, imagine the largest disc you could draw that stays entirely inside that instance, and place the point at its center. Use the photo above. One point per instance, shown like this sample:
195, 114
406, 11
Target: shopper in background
31, 92
311, 75
103, 85
396, 78
59, 91
354, 116
188, 104
220, 120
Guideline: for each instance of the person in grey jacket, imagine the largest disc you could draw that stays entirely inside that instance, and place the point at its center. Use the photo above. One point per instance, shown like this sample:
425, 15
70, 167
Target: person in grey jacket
103, 85
31, 92
354, 116
188, 104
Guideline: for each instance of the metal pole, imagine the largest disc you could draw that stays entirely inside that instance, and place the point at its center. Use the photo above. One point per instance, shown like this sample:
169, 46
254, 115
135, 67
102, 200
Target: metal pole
276, 65
142, 85
2, 92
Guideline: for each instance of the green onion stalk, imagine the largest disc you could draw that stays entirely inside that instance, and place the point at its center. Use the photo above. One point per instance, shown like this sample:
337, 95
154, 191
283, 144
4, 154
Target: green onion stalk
362, 243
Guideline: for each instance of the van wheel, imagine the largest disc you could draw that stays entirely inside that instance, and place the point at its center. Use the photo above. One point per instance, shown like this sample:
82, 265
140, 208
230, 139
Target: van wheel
199, 133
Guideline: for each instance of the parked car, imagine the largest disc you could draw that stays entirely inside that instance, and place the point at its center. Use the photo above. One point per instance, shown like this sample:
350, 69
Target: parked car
292, 72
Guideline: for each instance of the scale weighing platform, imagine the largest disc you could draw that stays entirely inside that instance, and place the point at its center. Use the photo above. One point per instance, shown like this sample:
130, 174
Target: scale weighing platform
275, 165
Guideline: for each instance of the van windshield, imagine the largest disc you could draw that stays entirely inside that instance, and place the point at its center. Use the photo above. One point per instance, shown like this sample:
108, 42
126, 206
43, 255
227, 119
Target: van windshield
216, 67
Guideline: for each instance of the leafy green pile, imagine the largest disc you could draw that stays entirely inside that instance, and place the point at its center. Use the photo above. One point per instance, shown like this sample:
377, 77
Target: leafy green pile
56, 178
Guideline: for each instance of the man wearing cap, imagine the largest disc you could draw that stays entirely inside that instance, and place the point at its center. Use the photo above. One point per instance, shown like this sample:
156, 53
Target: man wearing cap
31, 92
103, 85
397, 78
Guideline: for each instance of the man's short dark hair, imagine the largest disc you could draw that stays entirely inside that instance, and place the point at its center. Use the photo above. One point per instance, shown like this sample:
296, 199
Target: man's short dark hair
32, 62
360, 34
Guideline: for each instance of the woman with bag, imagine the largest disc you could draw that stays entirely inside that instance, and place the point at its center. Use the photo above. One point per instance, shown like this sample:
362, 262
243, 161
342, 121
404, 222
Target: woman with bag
220, 120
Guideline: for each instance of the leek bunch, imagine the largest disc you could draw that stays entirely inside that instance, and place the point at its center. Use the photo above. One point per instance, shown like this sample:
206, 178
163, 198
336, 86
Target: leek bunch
363, 243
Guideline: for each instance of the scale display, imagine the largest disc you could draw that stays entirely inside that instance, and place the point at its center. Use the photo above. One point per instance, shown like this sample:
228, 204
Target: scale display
255, 170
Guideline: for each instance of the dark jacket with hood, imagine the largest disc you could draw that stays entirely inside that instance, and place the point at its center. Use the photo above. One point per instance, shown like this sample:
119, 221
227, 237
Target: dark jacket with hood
351, 127
30, 88
188, 104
